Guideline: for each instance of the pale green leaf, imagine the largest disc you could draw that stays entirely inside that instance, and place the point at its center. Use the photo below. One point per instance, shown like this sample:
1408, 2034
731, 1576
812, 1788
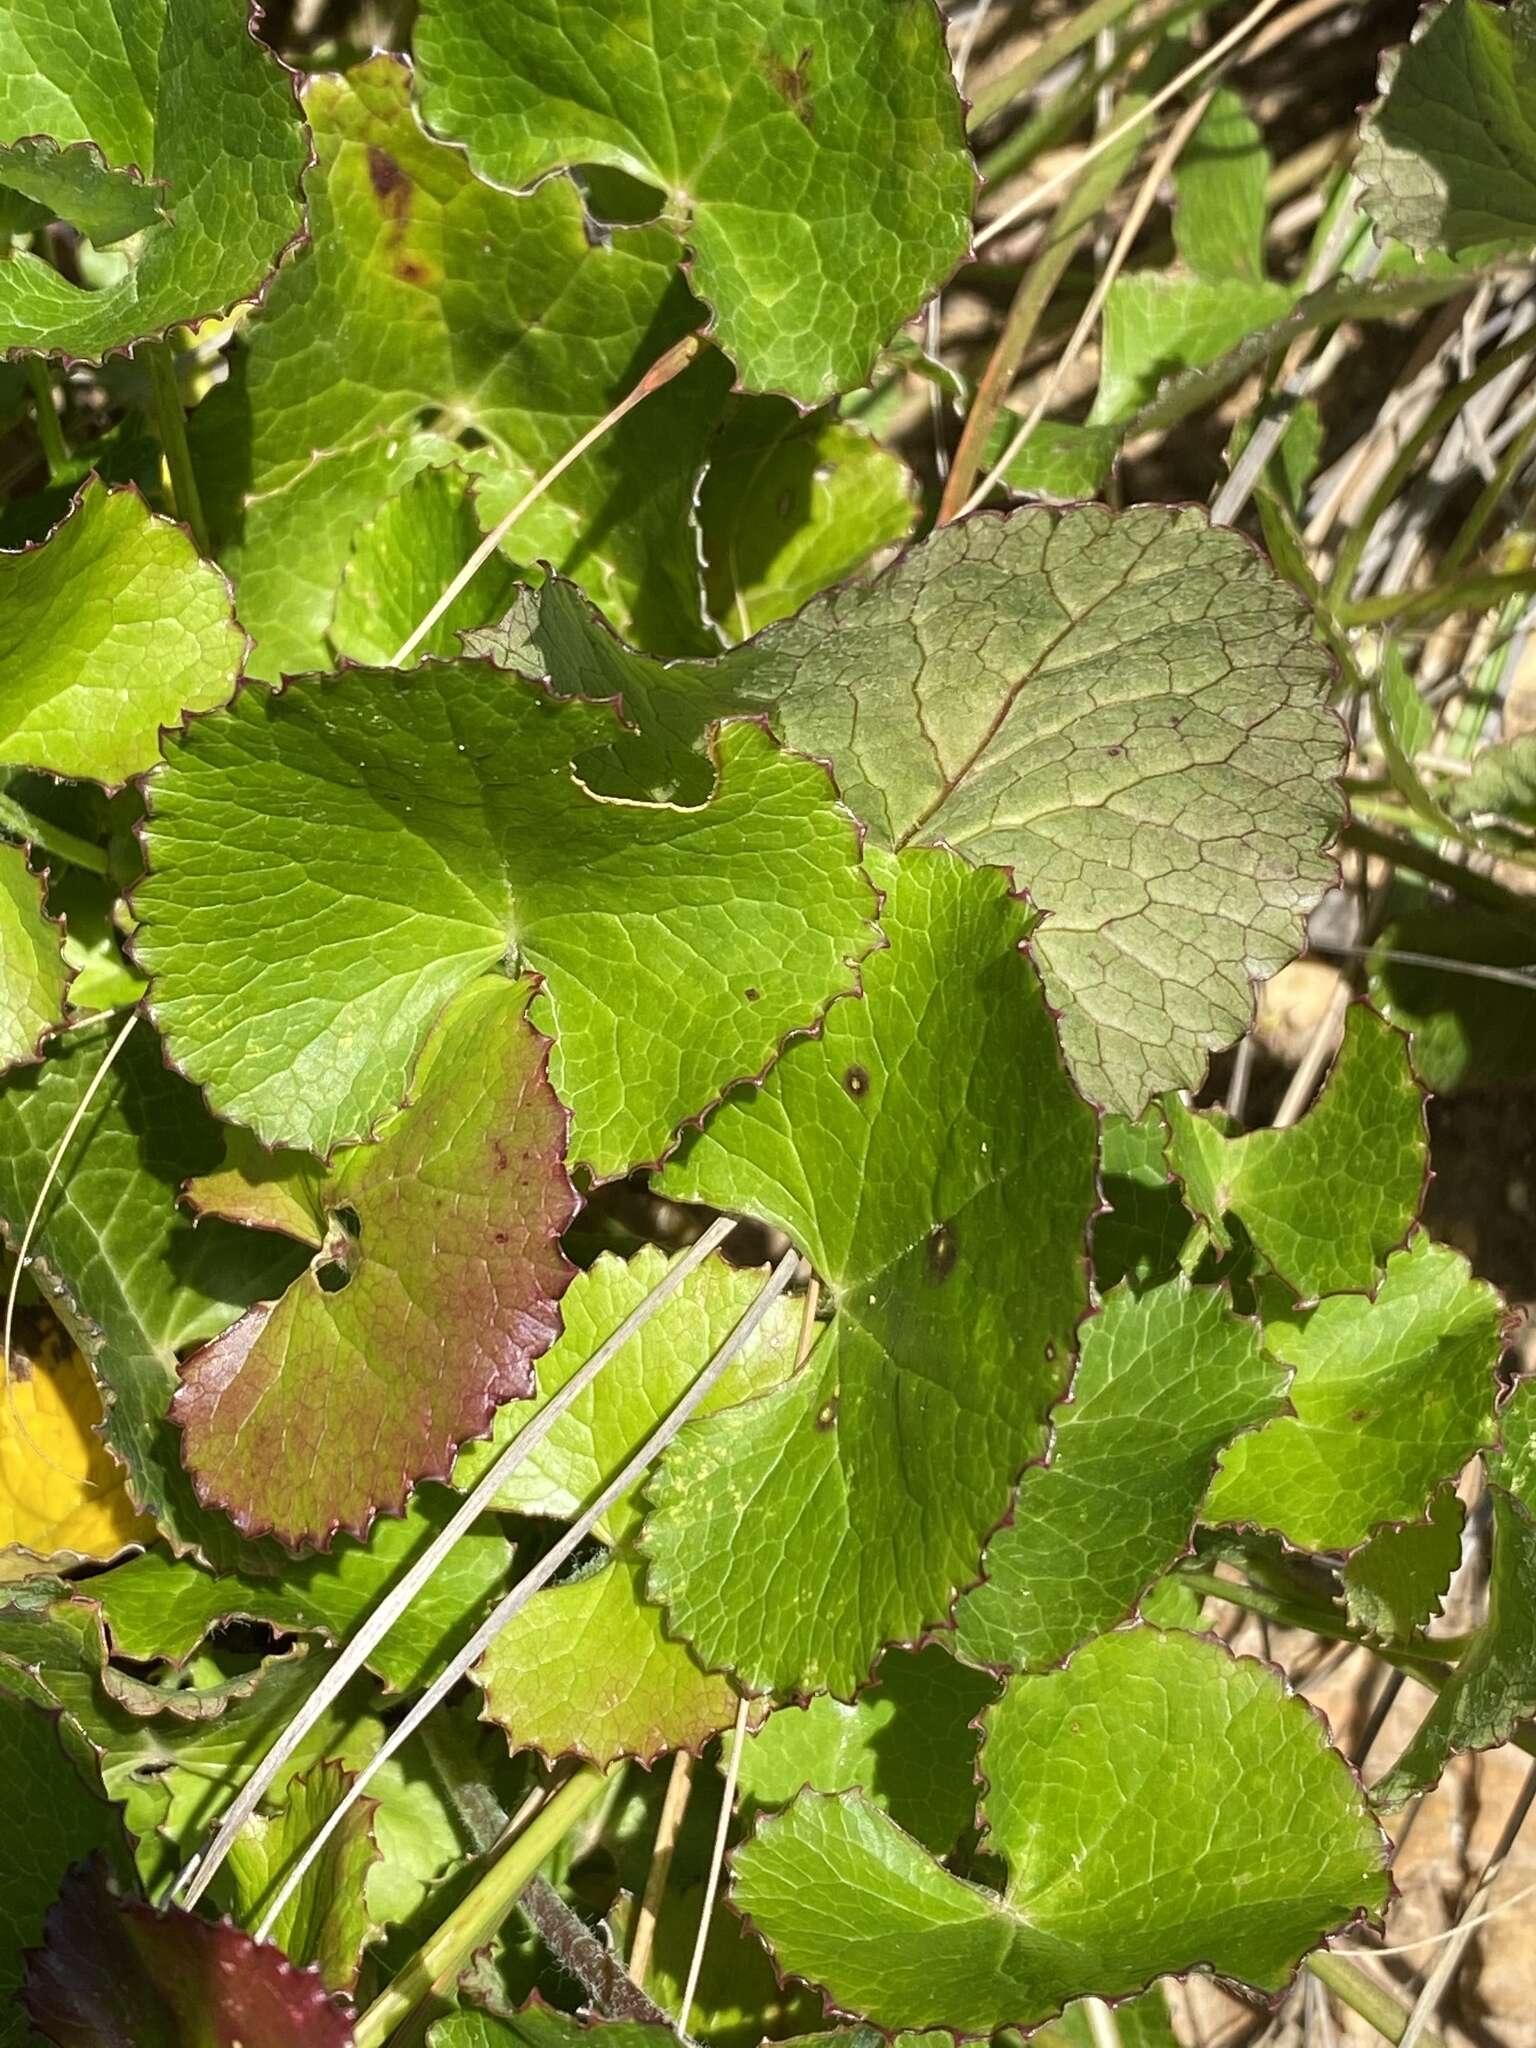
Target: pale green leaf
676, 946
1393, 1586
168, 117
1325, 1200
1165, 1380
1159, 1804
112, 628
793, 1535
1391, 1396
1156, 324
1448, 156
325, 1922
812, 156
587, 1666
1221, 206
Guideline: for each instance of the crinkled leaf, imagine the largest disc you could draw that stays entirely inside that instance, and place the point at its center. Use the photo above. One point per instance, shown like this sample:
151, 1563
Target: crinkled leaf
1165, 1380
793, 1535
1221, 205
1156, 324
123, 1267
115, 1973
1448, 157
401, 562
61, 1493
55, 1814
436, 1289
1328, 1198
587, 1665
812, 156
907, 1742
792, 503
1123, 710
32, 970
158, 1608
1390, 1397
325, 1922
112, 628
1128, 1794
329, 865
1139, 1235
163, 116
1466, 1027
427, 294
1394, 1585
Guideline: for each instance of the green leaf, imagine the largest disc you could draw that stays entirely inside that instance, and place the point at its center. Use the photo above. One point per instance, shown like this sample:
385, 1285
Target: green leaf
1393, 1586
812, 158
436, 1288
113, 628
1142, 2022
55, 1814
1448, 157
1159, 1804
790, 504
1061, 459
425, 294
1157, 324
1502, 785
121, 1265
907, 1742
1116, 708
677, 947
156, 1608
1139, 1235
165, 116
1220, 183
1491, 1690
795, 1534
325, 1922
1328, 1198
1391, 1396
1466, 1028
1165, 1380
540, 2026
587, 1667
115, 1973
401, 562
32, 970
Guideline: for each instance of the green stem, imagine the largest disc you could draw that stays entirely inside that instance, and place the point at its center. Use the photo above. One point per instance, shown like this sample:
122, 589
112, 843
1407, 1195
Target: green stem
1434, 423
49, 838
1420, 860
1080, 26
171, 420
1378, 2008
1299, 1614
50, 430
1489, 498
436, 1965
1439, 600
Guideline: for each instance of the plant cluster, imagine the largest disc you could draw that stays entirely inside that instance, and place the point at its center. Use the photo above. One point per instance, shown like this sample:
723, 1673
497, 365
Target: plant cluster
606, 993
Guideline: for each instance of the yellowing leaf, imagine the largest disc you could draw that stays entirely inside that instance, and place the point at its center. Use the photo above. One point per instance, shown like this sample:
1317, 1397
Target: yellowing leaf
60, 1489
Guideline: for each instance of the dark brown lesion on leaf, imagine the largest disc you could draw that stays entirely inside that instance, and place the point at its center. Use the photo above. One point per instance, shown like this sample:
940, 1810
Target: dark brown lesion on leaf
942, 1250
856, 1081
827, 1415
792, 84
391, 185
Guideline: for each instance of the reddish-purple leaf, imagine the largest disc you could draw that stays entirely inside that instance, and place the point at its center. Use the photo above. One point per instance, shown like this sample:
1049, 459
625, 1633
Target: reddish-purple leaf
115, 1973
435, 1288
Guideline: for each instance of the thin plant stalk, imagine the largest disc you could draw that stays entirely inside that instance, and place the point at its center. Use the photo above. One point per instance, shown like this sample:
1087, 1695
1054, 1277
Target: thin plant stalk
1347, 1981
1032, 200
442, 1957
50, 838
1081, 26
50, 428
716, 1863
662, 371
171, 422
198, 1873
538, 1577
673, 1806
